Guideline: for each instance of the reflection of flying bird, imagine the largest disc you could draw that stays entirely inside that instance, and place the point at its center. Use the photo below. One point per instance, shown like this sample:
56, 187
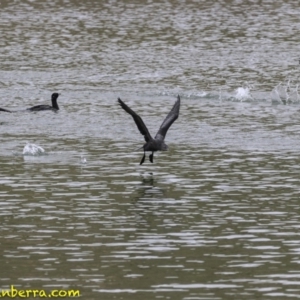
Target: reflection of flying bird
157, 143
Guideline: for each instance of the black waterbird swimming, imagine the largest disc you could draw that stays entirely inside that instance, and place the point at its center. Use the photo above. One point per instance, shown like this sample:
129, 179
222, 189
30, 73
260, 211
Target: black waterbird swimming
157, 143
6, 110
47, 107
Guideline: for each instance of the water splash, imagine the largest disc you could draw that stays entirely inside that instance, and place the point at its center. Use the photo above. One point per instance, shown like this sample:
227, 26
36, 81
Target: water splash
83, 159
220, 95
243, 93
282, 91
294, 96
285, 94
33, 149
275, 97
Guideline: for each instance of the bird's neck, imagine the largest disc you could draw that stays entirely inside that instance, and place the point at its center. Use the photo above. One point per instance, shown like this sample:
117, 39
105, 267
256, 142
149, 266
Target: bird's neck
54, 104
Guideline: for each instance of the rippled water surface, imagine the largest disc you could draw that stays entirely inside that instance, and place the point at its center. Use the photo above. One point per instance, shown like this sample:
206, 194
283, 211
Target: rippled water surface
215, 217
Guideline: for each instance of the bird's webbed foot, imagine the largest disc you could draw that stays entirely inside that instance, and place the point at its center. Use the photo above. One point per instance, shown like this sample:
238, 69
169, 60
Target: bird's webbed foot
151, 157
143, 159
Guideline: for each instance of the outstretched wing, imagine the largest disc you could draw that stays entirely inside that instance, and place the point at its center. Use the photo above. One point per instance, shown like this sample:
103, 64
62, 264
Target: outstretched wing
138, 121
169, 120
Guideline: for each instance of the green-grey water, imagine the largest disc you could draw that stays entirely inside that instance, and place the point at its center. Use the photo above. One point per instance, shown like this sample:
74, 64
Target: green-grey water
215, 217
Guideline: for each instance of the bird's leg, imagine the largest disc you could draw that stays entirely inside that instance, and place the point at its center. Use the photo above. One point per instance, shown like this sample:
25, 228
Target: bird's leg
143, 159
151, 157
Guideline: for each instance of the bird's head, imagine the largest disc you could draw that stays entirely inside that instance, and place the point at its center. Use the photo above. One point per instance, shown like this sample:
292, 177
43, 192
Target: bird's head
54, 96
